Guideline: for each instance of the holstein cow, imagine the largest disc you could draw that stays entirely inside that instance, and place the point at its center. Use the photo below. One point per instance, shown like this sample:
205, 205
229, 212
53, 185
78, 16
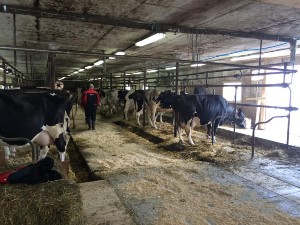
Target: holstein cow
199, 90
129, 104
147, 98
210, 109
121, 97
165, 102
41, 116
109, 103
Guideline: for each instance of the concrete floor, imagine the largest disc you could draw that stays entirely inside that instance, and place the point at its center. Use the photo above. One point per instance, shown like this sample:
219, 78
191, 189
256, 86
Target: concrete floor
276, 181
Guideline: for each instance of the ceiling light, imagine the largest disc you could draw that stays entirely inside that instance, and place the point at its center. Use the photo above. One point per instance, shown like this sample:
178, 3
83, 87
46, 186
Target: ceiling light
244, 58
88, 67
170, 68
137, 73
62, 78
151, 71
128, 73
81, 70
75, 72
199, 64
120, 53
1, 68
98, 62
111, 57
150, 39
273, 54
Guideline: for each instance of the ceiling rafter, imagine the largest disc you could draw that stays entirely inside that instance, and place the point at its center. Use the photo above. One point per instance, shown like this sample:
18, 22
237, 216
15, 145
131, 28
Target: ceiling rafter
98, 19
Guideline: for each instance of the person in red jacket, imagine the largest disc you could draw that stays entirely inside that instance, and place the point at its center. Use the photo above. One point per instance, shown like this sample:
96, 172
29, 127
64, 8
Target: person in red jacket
90, 101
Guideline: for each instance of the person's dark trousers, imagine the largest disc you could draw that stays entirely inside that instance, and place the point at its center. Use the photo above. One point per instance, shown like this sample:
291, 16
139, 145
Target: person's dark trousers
86, 115
91, 116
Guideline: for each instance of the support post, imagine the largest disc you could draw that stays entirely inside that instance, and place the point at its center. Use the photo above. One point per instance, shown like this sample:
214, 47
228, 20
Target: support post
15, 39
144, 104
50, 78
4, 73
176, 92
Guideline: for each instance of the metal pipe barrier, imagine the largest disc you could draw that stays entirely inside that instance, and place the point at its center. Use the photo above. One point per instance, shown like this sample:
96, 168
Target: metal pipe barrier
253, 131
34, 153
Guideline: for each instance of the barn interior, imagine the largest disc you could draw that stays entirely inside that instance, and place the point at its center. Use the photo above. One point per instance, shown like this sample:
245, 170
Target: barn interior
246, 51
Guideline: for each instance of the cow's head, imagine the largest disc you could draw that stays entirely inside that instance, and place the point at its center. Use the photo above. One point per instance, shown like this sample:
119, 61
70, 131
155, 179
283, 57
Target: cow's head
166, 99
229, 115
60, 132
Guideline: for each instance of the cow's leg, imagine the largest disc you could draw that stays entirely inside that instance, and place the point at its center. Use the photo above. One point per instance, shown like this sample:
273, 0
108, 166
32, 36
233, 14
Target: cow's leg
9, 151
153, 111
211, 130
6, 152
188, 131
179, 133
126, 109
12, 151
215, 127
160, 117
208, 130
160, 114
43, 152
151, 118
137, 115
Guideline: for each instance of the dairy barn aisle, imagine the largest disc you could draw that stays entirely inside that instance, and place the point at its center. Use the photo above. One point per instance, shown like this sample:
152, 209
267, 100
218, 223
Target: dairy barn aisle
162, 187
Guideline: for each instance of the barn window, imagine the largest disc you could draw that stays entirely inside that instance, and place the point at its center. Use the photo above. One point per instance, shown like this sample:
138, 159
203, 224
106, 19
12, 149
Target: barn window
229, 92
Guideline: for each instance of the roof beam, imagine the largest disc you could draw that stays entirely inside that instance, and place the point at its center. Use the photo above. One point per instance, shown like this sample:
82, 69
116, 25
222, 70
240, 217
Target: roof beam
140, 57
157, 27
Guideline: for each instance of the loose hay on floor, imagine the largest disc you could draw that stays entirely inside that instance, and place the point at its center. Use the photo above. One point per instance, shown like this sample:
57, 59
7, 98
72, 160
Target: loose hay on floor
56, 202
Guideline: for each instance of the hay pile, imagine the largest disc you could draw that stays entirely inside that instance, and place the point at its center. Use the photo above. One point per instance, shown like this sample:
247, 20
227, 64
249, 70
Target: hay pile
55, 202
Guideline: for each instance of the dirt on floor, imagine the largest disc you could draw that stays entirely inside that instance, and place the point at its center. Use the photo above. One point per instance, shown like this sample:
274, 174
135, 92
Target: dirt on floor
172, 183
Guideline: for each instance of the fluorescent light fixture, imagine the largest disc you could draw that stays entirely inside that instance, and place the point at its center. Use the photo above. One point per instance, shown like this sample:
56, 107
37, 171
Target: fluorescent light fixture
81, 70
170, 68
150, 39
242, 53
151, 71
62, 78
111, 57
273, 54
245, 58
75, 72
98, 62
137, 73
199, 64
120, 53
117, 76
88, 67
1, 68
69, 75
128, 73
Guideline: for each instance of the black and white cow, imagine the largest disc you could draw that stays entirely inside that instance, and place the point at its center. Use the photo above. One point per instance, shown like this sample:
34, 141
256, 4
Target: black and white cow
199, 90
165, 102
129, 104
147, 98
210, 109
121, 97
41, 116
